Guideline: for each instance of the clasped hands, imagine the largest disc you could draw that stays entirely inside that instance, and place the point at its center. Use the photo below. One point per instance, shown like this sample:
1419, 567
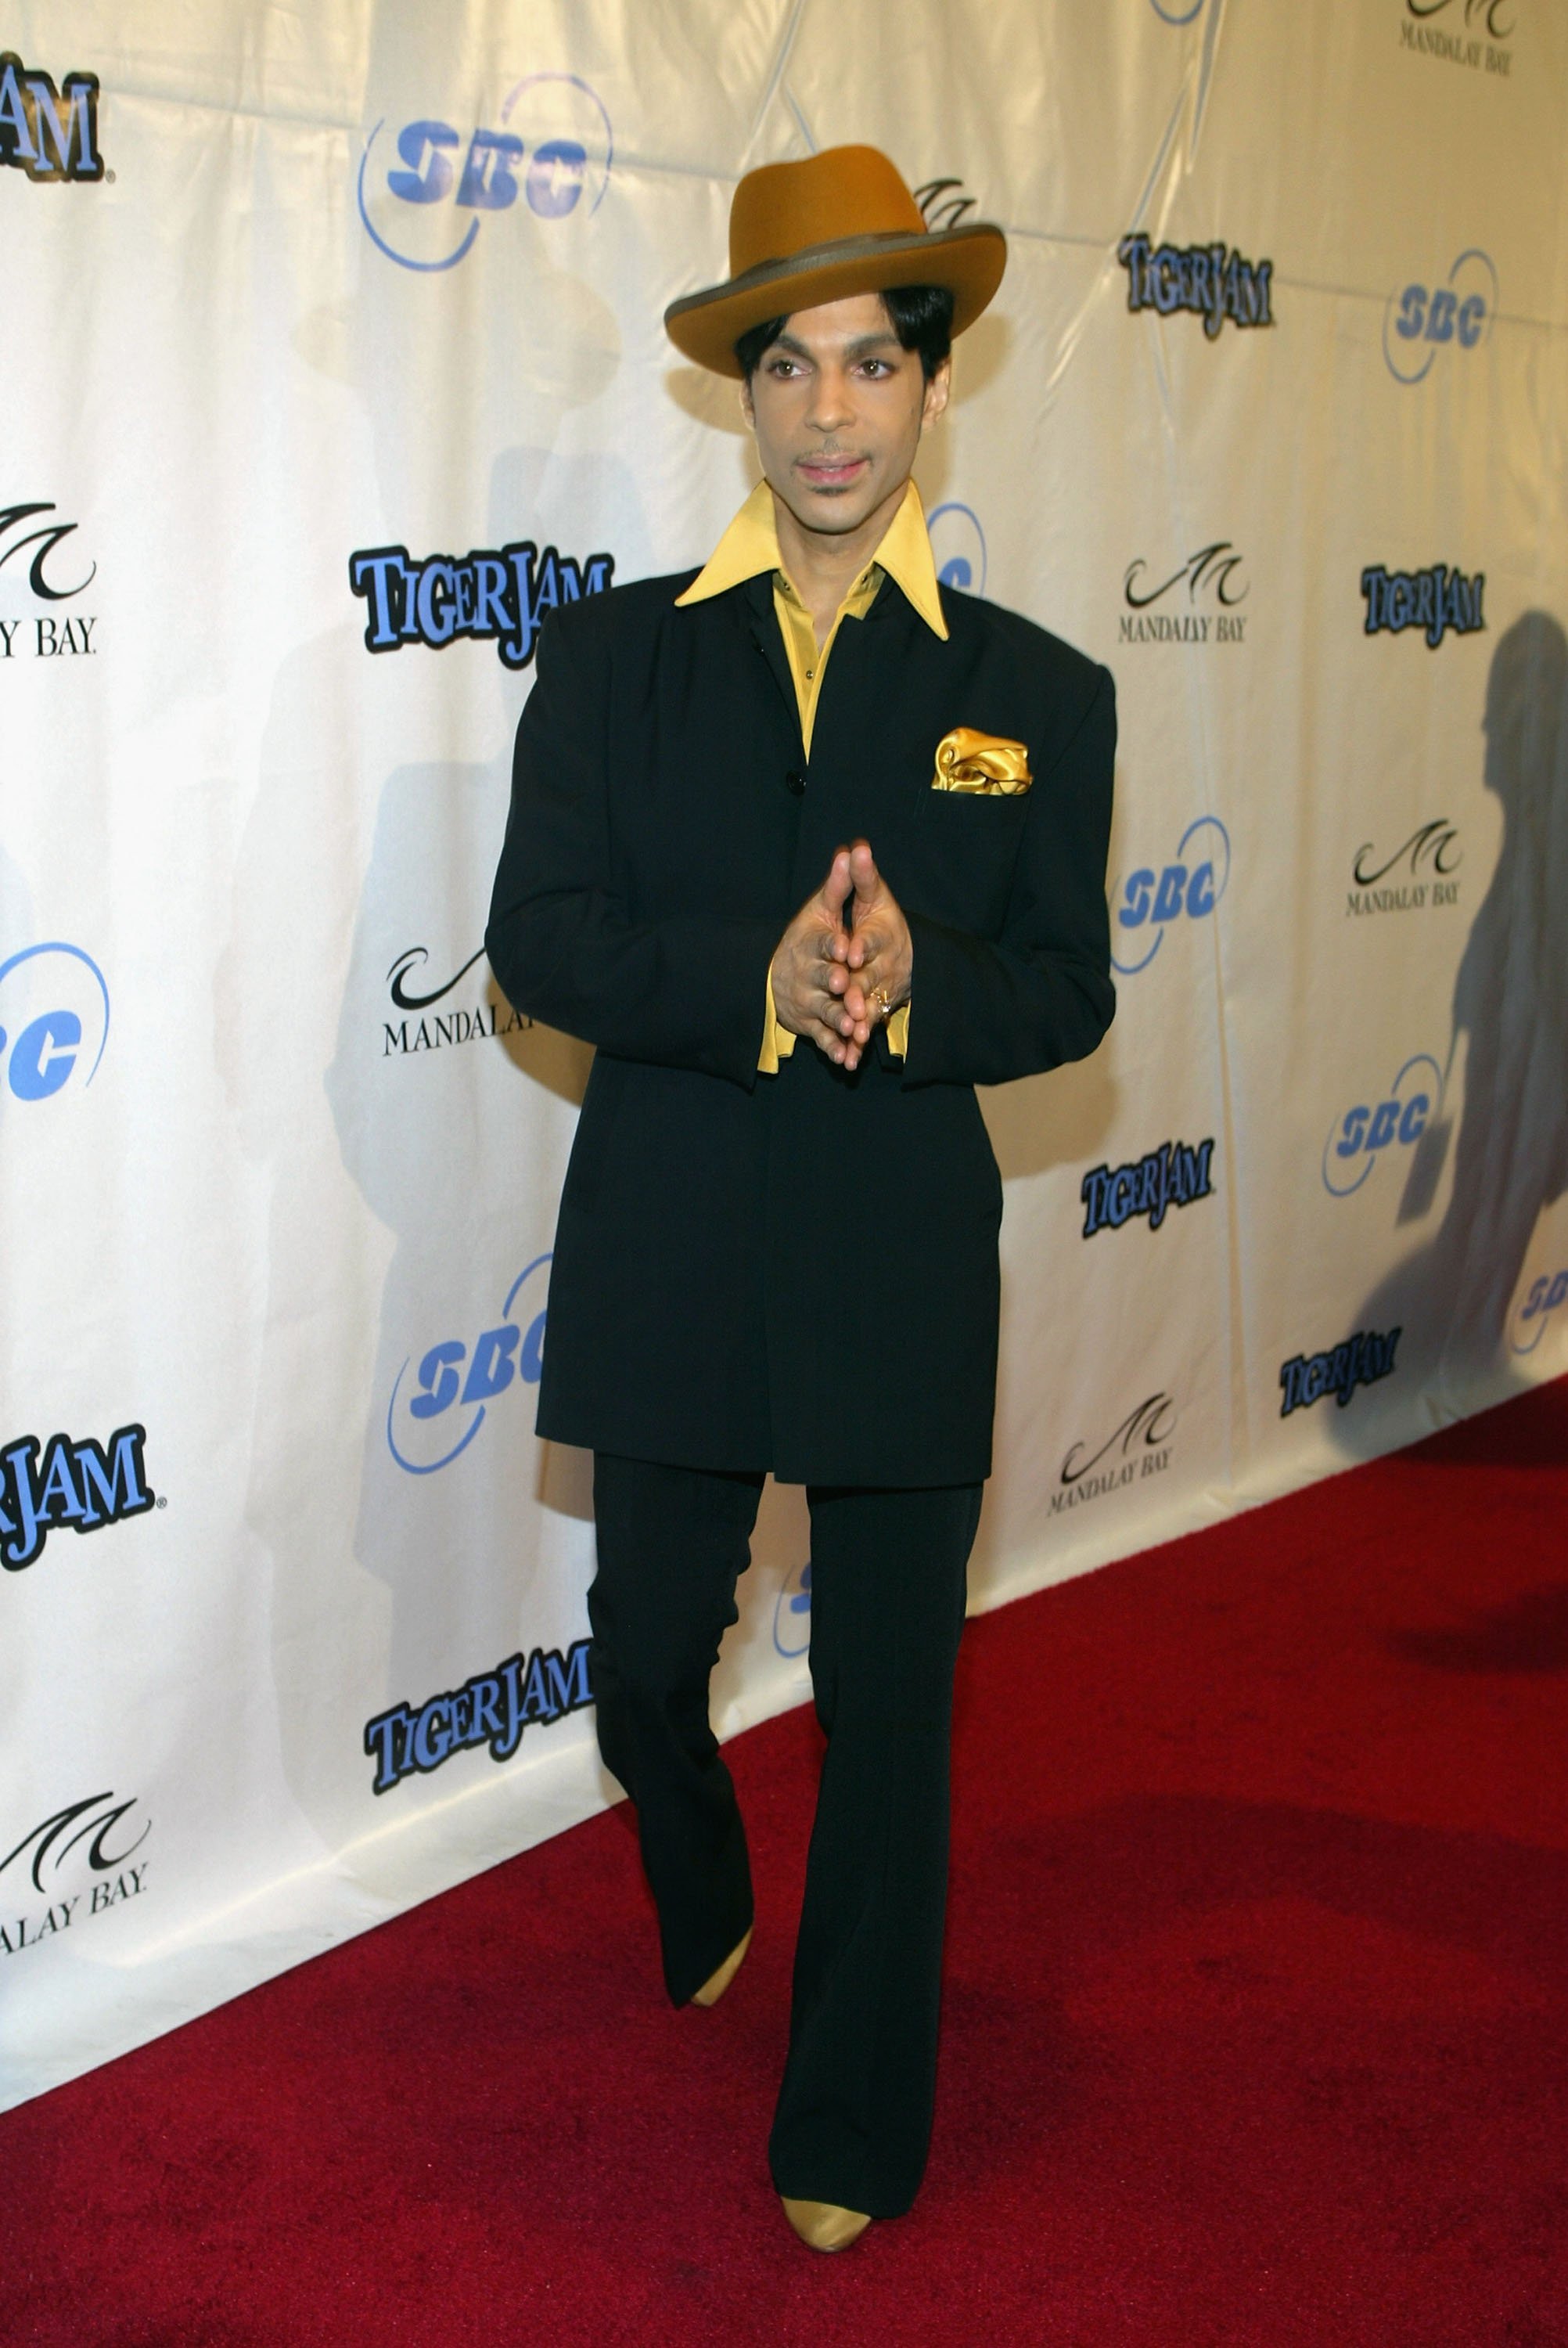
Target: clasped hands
846, 962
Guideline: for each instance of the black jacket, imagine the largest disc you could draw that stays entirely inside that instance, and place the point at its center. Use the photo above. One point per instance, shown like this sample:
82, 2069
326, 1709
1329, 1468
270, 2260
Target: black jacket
796, 1271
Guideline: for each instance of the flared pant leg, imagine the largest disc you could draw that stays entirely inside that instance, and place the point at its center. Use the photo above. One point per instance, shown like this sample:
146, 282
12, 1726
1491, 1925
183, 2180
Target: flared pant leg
673, 1542
887, 1592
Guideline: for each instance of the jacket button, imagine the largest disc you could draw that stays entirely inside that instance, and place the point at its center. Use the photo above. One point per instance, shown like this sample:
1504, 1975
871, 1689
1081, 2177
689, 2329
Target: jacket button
794, 783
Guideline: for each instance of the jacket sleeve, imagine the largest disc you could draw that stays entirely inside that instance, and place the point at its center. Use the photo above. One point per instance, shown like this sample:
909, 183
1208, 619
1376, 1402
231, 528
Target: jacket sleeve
687, 992
985, 1011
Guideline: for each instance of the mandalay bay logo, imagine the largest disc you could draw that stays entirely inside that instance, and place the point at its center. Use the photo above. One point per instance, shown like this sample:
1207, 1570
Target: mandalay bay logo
78, 1860
1419, 875
47, 573
1139, 1447
1472, 34
1195, 603
434, 1016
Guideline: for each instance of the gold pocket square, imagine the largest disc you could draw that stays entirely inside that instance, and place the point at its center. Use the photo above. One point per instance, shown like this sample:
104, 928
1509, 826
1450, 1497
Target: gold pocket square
967, 761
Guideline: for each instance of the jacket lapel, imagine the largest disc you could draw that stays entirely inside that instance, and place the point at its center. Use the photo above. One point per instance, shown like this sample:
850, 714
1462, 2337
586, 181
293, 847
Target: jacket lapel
753, 603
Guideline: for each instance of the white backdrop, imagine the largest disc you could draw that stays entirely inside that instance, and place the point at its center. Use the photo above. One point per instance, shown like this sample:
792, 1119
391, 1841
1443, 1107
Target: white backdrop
280, 1168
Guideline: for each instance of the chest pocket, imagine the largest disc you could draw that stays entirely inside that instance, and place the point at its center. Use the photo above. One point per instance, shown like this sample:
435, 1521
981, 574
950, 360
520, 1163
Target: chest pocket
969, 844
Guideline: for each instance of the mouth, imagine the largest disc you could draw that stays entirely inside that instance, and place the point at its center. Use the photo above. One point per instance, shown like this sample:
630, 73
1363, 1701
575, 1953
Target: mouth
832, 473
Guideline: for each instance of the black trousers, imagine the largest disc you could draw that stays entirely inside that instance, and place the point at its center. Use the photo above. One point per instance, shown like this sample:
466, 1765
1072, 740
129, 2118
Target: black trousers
888, 1590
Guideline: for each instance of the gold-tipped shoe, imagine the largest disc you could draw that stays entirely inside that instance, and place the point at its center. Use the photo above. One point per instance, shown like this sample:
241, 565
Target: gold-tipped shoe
714, 1988
823, 2224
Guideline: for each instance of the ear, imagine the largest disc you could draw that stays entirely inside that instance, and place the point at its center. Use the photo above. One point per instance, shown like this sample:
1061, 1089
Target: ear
937, 394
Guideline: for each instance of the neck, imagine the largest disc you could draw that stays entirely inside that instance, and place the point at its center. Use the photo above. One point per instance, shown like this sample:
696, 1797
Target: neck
823, 565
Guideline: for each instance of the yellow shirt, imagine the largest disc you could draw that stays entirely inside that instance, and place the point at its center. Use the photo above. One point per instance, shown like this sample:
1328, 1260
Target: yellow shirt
750, 546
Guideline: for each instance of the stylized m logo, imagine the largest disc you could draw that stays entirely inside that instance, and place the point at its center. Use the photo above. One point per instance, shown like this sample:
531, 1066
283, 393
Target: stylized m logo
46, 540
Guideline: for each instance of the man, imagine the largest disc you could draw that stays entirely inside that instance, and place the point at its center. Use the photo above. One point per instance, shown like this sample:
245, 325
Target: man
808, 847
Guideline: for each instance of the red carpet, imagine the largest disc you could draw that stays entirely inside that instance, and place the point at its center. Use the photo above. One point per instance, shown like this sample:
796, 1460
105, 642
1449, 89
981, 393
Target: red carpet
1256, 2029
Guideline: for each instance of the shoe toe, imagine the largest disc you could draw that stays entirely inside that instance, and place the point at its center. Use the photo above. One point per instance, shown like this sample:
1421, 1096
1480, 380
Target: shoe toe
823, 2224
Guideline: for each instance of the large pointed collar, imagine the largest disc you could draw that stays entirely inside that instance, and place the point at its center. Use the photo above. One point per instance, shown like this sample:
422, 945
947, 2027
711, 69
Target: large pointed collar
750, 546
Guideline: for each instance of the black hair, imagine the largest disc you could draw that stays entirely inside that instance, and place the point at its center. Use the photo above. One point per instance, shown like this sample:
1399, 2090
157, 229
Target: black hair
921, 315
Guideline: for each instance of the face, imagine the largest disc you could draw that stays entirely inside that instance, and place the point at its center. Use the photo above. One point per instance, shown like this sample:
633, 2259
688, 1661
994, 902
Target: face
838, 407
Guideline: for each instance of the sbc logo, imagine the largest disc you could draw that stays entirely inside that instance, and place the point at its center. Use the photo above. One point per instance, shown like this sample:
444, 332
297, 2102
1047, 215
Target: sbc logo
959, 544
1191, 886
553, 123
1419, 321
1530, 1322
792, 1614
1357, 1140
54, 1019
419, 1433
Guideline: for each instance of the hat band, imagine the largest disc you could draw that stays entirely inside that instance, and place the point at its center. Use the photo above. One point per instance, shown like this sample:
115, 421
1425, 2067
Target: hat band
865, 247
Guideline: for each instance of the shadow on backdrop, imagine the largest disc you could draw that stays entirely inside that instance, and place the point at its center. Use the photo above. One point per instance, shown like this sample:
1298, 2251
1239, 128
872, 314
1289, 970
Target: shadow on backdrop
1451, 1298
428, 1138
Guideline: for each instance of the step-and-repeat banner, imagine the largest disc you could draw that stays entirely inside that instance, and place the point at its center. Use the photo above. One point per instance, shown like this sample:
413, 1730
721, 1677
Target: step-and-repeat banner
332, 361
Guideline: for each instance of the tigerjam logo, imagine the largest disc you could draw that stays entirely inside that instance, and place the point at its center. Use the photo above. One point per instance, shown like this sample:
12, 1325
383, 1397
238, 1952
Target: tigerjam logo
1434, 600
36, 134
91, 1822
42, 634
499, 597
79, 1484
1139, 1447
488, 1016
1473, 35
1170, 1175
1429, 854
1214, 570
492, 1709
1208, 279
1360, 1360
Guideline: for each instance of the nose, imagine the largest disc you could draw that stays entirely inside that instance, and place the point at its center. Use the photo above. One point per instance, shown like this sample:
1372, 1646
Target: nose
831, 406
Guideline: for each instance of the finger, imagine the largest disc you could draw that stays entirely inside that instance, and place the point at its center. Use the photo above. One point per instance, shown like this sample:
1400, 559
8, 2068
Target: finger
866, 880
836, 889
830, 1013
866, 1007
873, 962
832, 1047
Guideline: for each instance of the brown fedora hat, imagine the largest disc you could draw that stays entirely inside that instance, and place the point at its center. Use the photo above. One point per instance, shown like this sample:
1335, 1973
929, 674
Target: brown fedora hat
841, 222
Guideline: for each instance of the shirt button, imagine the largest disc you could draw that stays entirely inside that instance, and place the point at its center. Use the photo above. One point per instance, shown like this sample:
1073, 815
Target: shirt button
810, 675
794, 783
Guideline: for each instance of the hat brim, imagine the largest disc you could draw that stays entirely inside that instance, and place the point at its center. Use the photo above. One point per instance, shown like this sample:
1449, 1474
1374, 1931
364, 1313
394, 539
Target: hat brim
968, 261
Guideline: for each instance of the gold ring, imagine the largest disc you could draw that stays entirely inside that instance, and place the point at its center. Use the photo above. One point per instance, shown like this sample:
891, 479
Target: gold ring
883, 1007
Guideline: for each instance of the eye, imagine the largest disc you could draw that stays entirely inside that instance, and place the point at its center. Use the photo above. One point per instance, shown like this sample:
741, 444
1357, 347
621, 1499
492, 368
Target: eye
782, 366
875, 368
